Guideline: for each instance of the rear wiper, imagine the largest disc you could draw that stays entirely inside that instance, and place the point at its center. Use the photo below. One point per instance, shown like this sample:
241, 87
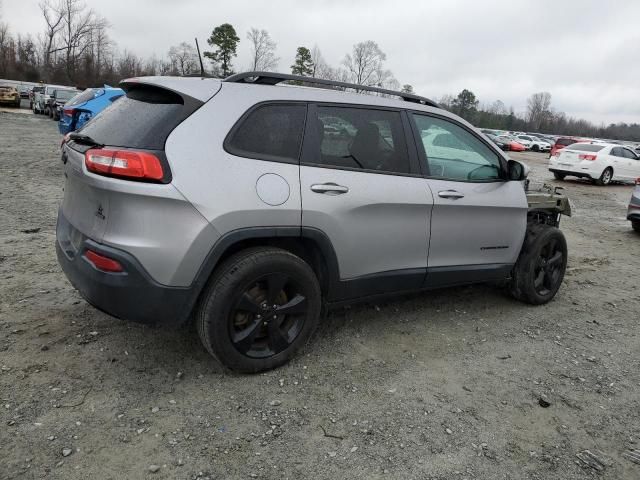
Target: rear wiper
84, 139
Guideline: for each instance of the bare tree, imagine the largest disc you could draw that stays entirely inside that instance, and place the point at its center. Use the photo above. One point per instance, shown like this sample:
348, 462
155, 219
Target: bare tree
53, 14
319, 64
129, 65
263, 50
538, 108
79, 23
5, 40
184, 58
366, 64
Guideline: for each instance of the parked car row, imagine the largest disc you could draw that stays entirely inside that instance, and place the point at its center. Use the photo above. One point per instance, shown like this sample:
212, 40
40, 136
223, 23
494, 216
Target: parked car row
44, 98
70, 107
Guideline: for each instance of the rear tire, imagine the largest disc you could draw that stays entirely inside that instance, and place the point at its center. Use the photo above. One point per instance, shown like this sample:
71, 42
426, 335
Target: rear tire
559, 176
606, 177
260, 307
540, 268
635, 224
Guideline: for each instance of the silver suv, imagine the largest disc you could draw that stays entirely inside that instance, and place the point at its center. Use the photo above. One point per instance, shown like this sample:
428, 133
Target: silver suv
249, 206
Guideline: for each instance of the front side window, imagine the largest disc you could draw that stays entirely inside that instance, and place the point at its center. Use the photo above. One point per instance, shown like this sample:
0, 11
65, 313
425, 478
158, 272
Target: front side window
270, 132
360, 138
453, 153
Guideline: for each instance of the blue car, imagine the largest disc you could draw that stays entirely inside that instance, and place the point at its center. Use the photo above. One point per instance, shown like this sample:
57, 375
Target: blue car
82, 108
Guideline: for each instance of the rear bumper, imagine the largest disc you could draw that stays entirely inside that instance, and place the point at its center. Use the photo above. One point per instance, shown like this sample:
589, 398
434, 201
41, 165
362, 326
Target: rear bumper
572, 173
128, 295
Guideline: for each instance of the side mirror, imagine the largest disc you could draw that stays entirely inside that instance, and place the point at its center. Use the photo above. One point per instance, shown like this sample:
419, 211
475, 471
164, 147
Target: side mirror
517, 171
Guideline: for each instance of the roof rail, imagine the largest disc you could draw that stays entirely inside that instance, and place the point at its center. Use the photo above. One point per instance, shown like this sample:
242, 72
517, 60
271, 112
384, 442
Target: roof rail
271, 78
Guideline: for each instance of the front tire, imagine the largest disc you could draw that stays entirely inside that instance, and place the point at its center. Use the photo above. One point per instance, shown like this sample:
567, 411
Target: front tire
540, 268
606, 177
535, 148
260, 307
635, 224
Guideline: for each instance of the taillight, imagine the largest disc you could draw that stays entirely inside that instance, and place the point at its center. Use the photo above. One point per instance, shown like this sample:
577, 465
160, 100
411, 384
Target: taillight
637, 181
103, 263
68, 112
124, 164
587, 157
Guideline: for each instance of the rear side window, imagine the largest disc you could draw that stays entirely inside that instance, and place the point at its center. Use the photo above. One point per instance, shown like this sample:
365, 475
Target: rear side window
360, 138
270, 132
565, 141
586, 147
143, 118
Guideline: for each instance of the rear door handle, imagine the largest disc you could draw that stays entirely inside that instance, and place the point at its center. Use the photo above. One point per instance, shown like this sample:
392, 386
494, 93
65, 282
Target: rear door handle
452, 194
329, 188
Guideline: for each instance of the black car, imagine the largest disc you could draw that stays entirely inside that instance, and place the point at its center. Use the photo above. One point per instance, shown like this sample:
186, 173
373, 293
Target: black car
57, 101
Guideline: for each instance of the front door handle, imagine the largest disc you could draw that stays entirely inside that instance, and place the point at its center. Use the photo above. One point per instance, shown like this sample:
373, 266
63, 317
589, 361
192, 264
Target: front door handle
452, 194
329, 188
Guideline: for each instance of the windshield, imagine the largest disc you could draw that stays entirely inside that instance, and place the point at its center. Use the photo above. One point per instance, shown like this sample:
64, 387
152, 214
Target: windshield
65, 94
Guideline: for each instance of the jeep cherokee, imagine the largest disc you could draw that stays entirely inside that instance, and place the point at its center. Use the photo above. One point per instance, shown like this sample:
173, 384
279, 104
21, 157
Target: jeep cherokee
248, 205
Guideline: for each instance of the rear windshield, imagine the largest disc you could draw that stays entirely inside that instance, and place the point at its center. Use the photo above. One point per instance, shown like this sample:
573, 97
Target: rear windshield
143, 118
88, 94
586, 147
6, 89
565, 141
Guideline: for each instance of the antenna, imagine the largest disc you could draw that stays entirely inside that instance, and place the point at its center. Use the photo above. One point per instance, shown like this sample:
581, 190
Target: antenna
200, 58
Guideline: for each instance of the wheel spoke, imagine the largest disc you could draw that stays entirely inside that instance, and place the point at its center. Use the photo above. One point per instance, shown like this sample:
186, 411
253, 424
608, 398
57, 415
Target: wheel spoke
244, 339
549, 280
555, 259
296, 306
277, 341
275, 284
539, 279
551, 248
248, 304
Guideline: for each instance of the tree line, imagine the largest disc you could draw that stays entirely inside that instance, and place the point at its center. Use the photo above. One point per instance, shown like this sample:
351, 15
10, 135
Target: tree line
74, 48
539, 117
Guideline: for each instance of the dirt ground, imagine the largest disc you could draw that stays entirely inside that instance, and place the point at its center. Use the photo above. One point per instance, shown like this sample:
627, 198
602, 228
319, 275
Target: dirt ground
446, 385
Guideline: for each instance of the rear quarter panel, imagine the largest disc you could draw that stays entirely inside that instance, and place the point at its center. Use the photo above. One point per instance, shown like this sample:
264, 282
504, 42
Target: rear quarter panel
221, 186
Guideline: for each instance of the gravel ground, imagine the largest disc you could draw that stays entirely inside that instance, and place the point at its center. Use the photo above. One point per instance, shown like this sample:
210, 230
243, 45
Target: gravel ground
455, 384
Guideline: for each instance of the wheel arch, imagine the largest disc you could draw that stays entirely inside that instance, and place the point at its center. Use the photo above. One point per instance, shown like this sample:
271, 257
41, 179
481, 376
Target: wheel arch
310, 244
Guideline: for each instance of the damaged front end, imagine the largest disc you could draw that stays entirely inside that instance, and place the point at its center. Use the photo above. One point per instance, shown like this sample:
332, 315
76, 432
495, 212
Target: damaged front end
546, 204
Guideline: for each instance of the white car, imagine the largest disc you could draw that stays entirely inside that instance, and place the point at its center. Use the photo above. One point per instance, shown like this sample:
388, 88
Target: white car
600, 162
533, 143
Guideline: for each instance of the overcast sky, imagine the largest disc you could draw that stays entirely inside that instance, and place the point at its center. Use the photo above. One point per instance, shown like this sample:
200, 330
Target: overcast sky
584, 52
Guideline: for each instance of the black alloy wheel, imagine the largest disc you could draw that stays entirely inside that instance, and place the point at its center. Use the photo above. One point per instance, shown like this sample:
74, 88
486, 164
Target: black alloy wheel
549, 269
260, 307
539, 271
267, 316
